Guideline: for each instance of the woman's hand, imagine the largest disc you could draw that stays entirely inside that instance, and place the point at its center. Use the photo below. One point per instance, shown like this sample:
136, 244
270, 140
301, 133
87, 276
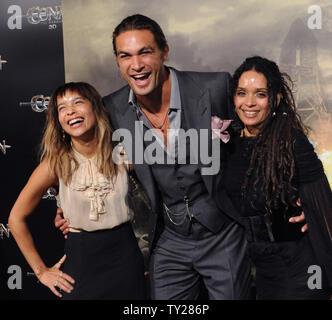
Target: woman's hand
53, 277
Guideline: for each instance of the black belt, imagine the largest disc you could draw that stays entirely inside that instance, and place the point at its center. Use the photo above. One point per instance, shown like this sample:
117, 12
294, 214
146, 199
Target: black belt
258, 228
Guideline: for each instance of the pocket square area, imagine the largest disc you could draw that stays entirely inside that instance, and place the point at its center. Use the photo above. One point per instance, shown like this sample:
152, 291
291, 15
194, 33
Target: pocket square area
219, 127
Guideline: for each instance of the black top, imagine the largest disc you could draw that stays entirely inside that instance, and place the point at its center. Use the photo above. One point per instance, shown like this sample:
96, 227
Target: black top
313, 188
308, 169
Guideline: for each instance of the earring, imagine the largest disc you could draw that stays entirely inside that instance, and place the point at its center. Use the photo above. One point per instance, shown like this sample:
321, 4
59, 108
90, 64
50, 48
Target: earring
63, 135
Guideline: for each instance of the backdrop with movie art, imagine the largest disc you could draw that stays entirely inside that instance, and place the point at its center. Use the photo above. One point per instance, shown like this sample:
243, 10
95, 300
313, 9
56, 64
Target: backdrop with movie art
32, 65
216, 35
45, 42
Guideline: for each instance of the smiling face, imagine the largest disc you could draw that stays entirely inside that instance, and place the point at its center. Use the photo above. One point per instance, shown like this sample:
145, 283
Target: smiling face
251, 100
140, 60
76, 116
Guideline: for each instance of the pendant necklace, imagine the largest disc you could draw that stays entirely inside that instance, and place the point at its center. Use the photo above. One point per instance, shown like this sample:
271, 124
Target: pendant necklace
160, 127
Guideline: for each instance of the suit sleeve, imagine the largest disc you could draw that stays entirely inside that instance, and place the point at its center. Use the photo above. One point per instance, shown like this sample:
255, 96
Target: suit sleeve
220, 94
107, 103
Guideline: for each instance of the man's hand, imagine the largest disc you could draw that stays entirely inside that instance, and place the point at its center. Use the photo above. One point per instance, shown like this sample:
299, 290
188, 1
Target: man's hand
300, 218
61, 223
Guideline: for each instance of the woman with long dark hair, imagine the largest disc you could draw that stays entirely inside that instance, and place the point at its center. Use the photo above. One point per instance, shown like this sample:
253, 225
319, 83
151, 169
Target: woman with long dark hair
271, 164
102, 254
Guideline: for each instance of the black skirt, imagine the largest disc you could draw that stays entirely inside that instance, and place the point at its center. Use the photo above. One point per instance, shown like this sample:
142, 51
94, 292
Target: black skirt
105, 264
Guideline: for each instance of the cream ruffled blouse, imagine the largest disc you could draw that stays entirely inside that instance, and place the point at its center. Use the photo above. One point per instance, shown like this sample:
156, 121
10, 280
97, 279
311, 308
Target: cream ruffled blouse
91, 201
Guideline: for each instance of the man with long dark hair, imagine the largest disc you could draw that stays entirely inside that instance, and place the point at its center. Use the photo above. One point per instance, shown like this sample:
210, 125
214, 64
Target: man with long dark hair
192, 240
194, 237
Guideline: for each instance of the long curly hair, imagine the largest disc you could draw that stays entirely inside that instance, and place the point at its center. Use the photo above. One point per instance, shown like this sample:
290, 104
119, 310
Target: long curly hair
56, 144
272, 164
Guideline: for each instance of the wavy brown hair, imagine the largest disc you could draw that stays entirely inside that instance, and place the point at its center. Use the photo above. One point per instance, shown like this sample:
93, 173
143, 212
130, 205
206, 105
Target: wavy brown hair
272, 161
140, 22
56, 145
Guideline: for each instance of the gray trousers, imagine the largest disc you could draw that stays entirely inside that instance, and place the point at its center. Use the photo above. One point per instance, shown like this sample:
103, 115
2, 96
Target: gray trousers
179, 263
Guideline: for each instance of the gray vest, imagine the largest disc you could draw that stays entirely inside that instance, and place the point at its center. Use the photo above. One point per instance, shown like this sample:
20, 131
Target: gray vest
185, 196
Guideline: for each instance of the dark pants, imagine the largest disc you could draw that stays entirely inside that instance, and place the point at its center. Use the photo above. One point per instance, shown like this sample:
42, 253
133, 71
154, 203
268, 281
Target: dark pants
282, 270
105, 264
180, 263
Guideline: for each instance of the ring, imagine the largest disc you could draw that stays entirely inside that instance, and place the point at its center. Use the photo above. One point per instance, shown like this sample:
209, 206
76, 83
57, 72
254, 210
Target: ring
61, 274
55, 283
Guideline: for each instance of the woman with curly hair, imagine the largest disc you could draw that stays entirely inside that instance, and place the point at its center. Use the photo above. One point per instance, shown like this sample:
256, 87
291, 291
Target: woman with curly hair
271, 164
102, 254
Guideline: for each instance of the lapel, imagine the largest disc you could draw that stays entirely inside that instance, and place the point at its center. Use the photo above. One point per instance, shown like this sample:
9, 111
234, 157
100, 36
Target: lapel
126, 120
196, 107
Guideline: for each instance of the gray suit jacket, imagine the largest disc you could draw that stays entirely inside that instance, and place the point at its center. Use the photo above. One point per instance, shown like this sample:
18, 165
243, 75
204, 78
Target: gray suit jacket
203, 94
